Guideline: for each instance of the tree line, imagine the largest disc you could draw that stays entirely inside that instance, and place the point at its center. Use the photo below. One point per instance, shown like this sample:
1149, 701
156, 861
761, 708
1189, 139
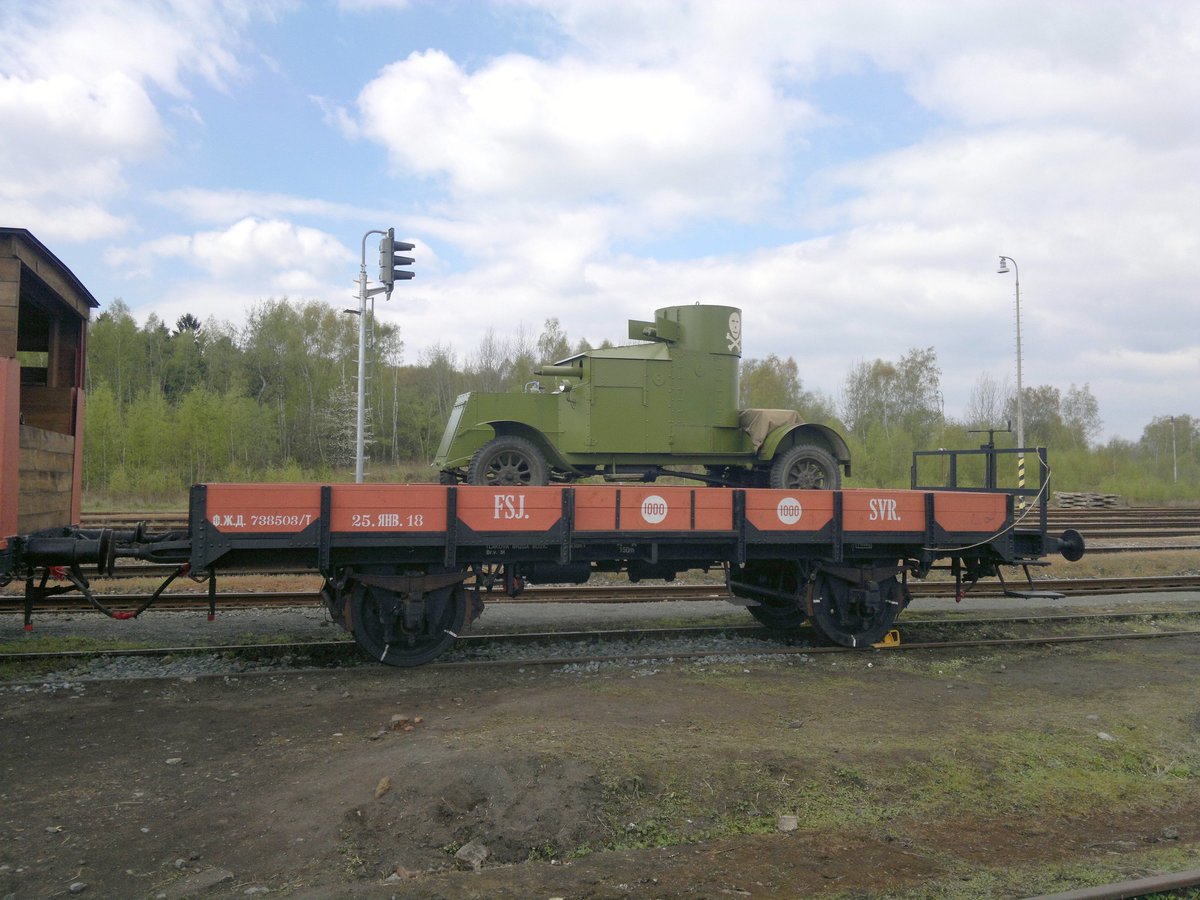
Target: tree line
276, 398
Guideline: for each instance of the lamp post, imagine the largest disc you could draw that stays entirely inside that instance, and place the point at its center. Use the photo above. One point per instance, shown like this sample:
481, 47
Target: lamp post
1003, 270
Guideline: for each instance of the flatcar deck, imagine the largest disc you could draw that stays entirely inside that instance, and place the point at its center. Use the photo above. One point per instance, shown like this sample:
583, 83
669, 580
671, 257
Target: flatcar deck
328, 525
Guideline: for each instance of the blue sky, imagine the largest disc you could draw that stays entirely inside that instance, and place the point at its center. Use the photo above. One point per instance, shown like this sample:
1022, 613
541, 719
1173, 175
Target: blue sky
845, 172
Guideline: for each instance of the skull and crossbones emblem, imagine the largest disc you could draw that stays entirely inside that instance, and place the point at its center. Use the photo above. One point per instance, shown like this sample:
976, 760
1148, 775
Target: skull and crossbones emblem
734, 335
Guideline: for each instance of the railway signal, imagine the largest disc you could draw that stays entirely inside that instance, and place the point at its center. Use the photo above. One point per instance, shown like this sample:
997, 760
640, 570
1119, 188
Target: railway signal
389, 274
390, 261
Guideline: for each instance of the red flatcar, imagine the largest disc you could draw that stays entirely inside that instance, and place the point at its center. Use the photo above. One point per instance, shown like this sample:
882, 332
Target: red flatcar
397, 559
404, 564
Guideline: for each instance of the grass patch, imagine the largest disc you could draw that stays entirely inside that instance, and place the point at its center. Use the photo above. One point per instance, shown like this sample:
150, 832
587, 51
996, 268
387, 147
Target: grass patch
825, 741
22, 669
1148, 564
971, 883
35, 643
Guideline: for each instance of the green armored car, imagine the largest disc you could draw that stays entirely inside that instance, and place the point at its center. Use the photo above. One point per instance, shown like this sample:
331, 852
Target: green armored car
667, 406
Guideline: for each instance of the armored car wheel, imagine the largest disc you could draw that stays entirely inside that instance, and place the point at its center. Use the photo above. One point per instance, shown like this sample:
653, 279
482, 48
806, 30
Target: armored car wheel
508, 460
805, 467
855, 606
406, 628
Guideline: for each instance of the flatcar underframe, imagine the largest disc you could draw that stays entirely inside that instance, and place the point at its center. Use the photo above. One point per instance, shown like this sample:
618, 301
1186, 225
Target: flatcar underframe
405, 565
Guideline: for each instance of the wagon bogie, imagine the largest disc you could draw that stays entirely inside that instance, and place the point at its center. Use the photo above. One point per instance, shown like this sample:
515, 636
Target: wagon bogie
407, 618
856, 605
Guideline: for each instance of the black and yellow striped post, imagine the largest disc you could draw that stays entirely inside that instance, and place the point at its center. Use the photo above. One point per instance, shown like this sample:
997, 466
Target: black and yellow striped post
1021, 479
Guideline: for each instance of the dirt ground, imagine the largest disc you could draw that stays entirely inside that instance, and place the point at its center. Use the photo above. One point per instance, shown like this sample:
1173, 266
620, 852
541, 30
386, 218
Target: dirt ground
926, 775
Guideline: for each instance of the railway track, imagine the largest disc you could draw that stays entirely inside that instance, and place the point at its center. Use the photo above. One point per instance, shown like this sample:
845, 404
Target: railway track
620, 593
648, 644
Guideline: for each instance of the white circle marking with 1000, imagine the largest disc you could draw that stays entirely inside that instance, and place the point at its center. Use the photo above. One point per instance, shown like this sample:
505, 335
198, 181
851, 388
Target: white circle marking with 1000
654, 509
789, 510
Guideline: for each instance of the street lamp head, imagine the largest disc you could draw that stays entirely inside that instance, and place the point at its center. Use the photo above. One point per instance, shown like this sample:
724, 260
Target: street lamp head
1003, 270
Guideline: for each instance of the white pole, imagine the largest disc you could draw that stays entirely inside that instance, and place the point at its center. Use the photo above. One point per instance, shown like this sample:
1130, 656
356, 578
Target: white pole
363, 294
362, 357
1020, 387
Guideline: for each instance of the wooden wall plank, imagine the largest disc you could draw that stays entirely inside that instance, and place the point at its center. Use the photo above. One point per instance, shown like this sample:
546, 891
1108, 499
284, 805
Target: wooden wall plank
43, 461
8, 330
46, 477
51, 408
10, 445
38, 439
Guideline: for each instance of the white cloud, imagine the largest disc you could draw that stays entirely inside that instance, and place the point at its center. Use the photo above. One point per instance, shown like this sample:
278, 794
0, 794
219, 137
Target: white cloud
222, 206
272, 252
1064, 142
1064, 137
62, 224
664, 141
222, 273
76, 85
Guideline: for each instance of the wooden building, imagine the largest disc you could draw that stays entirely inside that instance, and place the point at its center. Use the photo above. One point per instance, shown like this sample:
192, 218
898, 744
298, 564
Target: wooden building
44, 312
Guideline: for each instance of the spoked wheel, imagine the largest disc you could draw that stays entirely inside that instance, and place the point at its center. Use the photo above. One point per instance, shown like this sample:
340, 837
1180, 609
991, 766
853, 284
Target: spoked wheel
776, 587
805, 468
855, 607
404, 628
508, 460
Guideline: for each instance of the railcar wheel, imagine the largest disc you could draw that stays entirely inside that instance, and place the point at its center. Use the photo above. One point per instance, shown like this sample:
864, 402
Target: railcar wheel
778, 615
386, 634
777, 588
805, 468
857, 613
508, 460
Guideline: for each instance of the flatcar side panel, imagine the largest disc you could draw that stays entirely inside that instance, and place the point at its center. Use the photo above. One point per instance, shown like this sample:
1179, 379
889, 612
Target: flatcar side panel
712, 510
510, 509
782, 510
972, 513
595, 508
883, 512
262, 508
657, 509
373, 508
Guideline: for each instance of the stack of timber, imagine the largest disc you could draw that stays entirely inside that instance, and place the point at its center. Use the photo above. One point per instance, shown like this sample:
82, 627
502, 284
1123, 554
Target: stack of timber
1085, 500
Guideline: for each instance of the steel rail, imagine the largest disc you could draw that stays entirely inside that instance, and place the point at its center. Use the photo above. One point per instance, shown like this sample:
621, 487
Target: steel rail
1138, 887
483, 640
802, 651
606, 594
